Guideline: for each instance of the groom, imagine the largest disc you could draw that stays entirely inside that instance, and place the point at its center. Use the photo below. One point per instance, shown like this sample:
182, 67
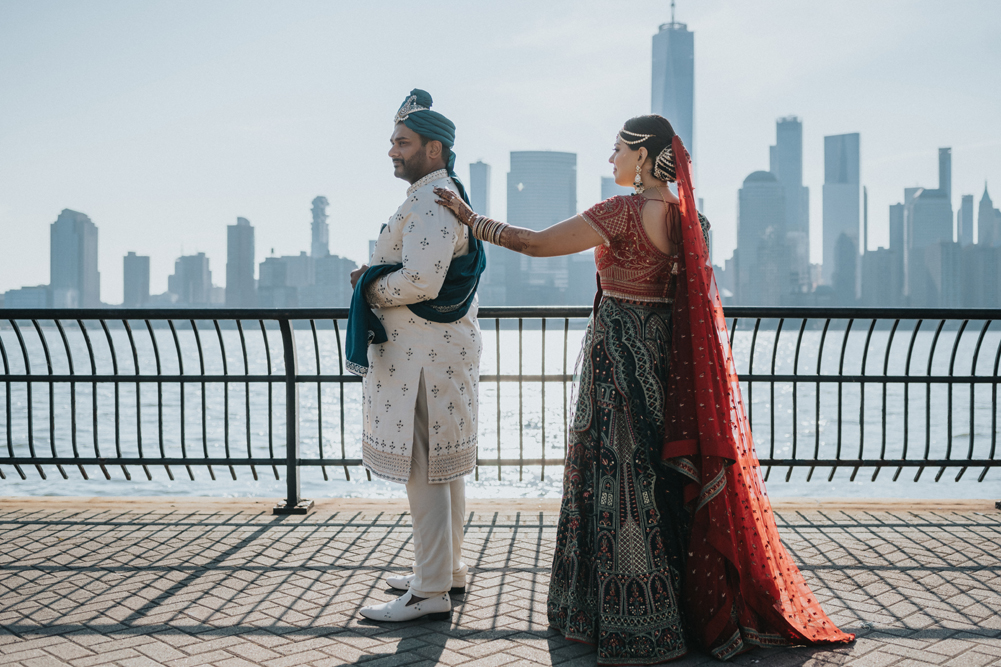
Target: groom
413, 336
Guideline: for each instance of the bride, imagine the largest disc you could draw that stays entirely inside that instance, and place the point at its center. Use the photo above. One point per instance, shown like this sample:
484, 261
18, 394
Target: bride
666, 538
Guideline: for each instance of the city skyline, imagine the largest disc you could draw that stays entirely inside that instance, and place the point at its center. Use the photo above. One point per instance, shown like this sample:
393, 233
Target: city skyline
176, 147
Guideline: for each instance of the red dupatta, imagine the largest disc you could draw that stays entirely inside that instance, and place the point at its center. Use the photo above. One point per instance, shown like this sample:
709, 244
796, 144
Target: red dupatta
741, 586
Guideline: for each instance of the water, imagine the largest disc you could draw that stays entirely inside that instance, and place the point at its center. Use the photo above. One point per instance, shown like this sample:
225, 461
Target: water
525, 427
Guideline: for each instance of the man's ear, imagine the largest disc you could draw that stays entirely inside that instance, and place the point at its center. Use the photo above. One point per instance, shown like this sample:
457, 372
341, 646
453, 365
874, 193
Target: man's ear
434, 149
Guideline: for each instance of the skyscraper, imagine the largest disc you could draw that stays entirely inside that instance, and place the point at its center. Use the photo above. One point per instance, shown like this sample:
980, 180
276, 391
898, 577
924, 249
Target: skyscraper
786, 163
479, 187
240, 289
673, 85
541, 191
192, 280
73, 276
987, 232
964, 221
762, 267
136, 281
320, 246
931, 263
609, 188
841, 197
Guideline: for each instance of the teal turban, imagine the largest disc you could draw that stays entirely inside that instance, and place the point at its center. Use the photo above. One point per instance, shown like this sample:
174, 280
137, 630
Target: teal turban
416, 113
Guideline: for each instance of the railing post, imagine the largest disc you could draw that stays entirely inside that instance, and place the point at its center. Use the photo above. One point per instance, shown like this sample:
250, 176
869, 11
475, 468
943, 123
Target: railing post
293, 504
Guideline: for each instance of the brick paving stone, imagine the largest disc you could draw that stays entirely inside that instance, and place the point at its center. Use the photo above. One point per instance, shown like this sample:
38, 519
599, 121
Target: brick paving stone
227, 588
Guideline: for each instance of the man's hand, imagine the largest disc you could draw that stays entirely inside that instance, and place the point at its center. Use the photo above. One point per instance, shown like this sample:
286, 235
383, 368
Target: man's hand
356, 274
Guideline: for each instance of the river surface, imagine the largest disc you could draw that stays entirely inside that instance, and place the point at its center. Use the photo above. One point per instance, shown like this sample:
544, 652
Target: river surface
531, 426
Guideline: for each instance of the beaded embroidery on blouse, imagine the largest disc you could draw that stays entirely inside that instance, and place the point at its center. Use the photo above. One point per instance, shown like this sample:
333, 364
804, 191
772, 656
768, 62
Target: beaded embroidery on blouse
629, 265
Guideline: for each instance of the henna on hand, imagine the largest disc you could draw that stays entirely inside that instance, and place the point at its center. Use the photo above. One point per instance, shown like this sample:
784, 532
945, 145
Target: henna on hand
456, 205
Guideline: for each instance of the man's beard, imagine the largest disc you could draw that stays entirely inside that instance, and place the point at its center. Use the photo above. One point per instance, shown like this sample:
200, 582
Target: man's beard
415, 168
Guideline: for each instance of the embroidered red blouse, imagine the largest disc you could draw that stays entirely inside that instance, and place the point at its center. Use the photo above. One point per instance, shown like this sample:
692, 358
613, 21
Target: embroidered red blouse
629, 265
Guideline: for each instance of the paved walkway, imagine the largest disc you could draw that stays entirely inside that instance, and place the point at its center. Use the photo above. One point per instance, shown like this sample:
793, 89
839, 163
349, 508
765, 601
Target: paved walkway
142, 581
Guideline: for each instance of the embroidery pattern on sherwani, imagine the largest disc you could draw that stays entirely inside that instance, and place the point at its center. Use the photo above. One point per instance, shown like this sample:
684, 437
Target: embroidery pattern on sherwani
424, 237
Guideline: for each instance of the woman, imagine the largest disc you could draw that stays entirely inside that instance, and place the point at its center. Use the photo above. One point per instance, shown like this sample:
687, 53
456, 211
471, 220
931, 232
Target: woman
666, 538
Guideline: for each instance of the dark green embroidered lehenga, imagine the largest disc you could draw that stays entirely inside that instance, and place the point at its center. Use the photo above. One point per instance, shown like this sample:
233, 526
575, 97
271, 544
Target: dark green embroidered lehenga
621, 538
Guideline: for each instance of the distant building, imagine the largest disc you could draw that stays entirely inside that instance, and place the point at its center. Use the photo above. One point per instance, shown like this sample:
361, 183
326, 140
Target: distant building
241, 292
74, 280
28, 297
282, 277
673, 85
320, 246
931, 259
881, 279
479, 187
964, 221
786, 163
332, 283
541, 191
988, 222
842, 190
609, 188
980, 275
191, 281
136, 281
761, 261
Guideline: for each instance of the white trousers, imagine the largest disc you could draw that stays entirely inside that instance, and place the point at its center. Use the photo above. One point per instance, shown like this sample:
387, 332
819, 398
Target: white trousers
437, 513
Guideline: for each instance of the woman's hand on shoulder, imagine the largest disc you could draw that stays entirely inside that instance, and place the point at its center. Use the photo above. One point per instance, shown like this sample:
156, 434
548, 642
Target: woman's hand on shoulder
456, 205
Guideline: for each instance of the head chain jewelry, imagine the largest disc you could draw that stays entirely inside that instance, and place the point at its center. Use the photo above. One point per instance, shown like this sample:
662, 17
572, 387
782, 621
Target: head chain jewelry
664, 167
639, 138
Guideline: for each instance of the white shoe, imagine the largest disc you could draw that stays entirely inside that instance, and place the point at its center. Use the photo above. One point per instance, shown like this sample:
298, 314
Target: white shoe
438, 608
402, 583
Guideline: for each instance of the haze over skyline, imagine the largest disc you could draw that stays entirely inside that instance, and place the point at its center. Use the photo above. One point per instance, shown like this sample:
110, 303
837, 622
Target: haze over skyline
163, 122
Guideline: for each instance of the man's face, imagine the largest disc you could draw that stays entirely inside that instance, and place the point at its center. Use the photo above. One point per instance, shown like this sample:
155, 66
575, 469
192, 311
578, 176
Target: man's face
410, 159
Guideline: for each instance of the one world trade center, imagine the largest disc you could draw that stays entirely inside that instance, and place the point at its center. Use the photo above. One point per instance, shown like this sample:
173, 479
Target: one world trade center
673, 89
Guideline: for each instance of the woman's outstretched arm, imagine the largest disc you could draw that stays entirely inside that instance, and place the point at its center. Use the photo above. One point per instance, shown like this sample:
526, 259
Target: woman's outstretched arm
564, 238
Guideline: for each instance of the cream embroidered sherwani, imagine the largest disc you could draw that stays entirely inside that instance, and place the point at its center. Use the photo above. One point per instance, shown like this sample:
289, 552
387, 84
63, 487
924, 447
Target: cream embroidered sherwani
424, 237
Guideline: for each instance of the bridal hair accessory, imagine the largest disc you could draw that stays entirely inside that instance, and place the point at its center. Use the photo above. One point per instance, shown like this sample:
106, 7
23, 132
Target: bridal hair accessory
486, 229
636, 138
664, 167
409, 106
638, 181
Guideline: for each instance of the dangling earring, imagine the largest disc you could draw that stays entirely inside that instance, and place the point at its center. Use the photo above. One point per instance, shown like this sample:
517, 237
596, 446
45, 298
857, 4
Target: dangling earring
638, 181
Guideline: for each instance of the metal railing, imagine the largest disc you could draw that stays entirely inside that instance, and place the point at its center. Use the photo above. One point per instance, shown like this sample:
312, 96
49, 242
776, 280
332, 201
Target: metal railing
824, 388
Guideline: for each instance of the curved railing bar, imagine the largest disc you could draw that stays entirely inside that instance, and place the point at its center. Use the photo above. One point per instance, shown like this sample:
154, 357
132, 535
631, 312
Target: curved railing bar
319, 399
750, 371
973, 371
931, 359
114, 370
246, 392
7, 415
795, 393
340, 395
952, 365
861, 409
566, 336
31, 403
841, 367
271, 422
93, 403
139, 420
69, 363
201, 368
497, 331
907, 391
225, 395
181, 388
816, 430
994, 410
542, 475
52, 395
159, 398
771, 389
886, 368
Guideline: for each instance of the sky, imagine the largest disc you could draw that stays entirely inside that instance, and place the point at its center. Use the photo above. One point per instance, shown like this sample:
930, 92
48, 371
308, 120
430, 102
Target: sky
165, 120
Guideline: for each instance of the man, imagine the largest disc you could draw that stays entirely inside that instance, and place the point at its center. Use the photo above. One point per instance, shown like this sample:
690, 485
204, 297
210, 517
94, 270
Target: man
413, 335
